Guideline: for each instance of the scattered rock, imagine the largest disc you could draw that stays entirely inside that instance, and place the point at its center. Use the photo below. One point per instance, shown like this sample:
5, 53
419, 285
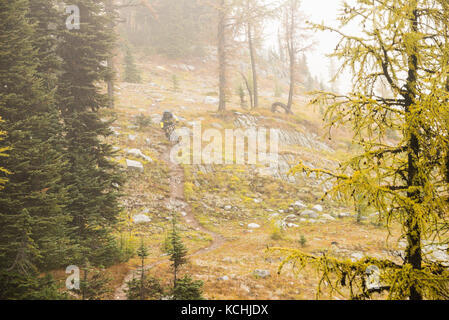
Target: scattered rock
134, 165
327, 217
299, 204
372, 282
141, 218
344, 215
291, 218
318, 208
138, 153
309, 214
224, 278
253, 226
441, 257
262, 273
132, 137
355, 256
437, 253
211, 100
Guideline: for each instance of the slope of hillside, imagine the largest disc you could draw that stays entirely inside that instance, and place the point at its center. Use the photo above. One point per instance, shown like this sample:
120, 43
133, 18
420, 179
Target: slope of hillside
231, 213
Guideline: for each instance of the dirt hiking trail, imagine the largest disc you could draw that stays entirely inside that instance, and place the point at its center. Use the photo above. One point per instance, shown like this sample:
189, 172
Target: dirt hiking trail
176, 202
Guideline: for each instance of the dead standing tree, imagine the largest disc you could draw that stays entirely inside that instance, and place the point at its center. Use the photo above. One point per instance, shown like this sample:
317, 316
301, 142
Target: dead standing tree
233, 15
296, 41
222, 58
250, 18
226, 25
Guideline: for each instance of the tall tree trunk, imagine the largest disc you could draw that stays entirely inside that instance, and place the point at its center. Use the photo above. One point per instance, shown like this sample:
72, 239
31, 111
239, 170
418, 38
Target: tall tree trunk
253, 67
291, 91
248, 88
290, 25
222, 56
413, 250
281, 49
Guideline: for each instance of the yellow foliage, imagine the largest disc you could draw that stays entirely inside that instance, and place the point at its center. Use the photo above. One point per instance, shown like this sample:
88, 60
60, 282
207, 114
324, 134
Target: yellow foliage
401, 85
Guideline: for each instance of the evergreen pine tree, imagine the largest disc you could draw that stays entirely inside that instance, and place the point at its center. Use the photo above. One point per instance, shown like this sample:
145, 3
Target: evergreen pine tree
151, 289
145, 287
95, 284
188, 289
132, 74
47, 23
91, 178
32, 233
184, 288
142, 253
176, 249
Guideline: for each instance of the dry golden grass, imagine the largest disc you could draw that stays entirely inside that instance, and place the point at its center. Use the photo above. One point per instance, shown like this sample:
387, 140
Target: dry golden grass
239, 257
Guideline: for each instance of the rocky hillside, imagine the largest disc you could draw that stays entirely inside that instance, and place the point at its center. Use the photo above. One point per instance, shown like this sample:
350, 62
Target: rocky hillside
232, 213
